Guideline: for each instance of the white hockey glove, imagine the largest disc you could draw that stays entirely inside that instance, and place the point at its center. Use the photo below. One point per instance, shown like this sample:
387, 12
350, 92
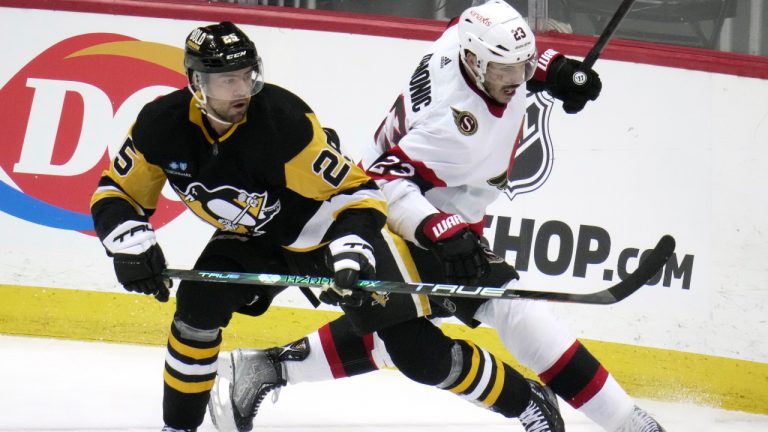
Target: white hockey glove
350, 257
139, 261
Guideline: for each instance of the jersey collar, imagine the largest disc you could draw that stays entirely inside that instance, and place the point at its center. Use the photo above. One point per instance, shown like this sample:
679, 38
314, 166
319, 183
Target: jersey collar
196, 117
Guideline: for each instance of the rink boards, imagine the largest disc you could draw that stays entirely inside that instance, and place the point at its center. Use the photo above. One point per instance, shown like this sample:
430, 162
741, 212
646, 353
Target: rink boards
669, 148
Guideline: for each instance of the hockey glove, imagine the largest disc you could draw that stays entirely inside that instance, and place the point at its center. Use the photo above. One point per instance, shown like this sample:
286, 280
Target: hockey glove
351, 258
568, 81
457, 247
139, 261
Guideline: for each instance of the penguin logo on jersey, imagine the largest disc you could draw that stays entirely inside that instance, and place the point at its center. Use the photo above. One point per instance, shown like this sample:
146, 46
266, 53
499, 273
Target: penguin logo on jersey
465, 121
534, 157
230, 209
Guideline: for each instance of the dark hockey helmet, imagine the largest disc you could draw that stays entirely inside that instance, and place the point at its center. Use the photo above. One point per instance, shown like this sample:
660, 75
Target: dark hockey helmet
219, 48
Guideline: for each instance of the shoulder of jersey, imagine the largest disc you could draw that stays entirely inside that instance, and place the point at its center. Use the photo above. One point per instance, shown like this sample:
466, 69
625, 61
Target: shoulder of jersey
444, 76
275, 97
165, 110
285, 114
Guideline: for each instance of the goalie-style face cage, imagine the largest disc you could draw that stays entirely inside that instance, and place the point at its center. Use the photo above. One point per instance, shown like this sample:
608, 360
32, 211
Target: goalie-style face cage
222, 63
496, 33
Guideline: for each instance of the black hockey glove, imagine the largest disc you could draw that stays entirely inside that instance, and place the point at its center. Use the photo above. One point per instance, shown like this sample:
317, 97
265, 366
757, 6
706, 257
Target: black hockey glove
457, 247
568, 80
139, 262
351, 258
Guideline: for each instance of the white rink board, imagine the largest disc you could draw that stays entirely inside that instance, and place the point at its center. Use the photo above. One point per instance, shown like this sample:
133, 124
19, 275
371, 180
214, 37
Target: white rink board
663, 150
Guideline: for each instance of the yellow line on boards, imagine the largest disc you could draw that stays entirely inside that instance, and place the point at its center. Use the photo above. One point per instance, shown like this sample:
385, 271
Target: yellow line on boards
130, 318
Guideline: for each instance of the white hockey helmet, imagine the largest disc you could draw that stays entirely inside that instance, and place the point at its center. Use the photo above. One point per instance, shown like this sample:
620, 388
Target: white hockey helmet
496, 32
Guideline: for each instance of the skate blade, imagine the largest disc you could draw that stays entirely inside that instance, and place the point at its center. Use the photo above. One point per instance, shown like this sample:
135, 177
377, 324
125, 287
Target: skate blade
220, 404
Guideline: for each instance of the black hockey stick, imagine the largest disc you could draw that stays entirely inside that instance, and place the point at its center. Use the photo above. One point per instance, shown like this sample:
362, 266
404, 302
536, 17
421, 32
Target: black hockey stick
647, 269
607, 33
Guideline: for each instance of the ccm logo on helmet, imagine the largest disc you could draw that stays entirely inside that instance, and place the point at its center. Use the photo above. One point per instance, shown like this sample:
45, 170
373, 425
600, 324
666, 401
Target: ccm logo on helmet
235, 55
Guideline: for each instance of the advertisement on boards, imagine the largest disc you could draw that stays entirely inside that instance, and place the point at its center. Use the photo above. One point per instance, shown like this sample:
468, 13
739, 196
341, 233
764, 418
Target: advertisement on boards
589, 194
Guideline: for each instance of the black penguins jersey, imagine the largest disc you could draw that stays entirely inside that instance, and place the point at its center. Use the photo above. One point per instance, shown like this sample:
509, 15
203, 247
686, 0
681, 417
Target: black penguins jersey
276, 173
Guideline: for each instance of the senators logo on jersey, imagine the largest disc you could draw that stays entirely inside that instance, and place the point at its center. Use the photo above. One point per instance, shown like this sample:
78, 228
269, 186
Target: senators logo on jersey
465, 121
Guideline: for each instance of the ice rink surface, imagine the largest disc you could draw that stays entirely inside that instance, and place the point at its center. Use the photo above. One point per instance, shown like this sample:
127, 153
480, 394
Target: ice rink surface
59, 385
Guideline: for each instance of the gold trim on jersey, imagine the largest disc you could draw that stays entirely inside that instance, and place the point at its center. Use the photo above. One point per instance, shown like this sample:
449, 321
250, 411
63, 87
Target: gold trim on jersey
196, 117
305, 249
319, 171
404, 258
105, 192
408, 268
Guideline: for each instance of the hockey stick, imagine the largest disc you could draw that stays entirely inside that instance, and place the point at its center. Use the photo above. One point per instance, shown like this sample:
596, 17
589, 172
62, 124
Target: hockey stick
645, 272
607, 33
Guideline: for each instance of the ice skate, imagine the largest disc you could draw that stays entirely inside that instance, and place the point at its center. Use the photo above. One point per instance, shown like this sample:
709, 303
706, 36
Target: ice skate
245, 378
640, 421
542, 413
242, 384
170, 429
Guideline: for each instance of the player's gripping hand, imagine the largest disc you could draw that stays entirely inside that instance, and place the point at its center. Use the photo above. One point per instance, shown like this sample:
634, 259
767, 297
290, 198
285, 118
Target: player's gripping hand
457, 247
569, 81
139, 261
351, 259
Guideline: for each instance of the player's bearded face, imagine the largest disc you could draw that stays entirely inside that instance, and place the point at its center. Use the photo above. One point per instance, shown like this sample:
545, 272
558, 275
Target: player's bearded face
228, 93
502, 80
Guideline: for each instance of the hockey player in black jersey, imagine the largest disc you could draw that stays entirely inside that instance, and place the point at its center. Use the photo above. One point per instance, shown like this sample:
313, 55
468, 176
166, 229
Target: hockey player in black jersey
441, 157
252, 160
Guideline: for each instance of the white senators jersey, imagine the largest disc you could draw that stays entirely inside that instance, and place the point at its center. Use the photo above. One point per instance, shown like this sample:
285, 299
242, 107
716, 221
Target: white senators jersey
445, 145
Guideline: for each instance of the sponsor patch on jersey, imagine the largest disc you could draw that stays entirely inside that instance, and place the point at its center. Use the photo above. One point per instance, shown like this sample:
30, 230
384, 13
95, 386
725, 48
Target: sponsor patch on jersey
465, 121
444, 61
178, 168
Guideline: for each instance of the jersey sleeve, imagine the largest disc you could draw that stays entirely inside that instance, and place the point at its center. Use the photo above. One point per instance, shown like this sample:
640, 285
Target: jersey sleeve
128, 190
320, 171
406, 165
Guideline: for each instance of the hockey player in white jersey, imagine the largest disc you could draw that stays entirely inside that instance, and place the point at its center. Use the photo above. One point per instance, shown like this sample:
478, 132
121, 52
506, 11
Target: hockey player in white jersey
442, 155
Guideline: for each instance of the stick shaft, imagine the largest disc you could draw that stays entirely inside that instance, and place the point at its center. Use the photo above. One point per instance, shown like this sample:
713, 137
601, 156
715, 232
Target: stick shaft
647, 269
607, 33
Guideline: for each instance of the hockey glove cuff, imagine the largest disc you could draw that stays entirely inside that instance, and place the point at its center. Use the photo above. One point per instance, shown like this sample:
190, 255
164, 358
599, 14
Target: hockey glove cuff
139, 262
456, 246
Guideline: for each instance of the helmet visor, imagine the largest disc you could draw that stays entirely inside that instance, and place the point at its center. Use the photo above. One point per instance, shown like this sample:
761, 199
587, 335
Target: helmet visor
234, 85
510, 74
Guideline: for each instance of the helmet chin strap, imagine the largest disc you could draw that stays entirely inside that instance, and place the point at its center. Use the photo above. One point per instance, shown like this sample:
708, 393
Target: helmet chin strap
478, 78
202, 105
